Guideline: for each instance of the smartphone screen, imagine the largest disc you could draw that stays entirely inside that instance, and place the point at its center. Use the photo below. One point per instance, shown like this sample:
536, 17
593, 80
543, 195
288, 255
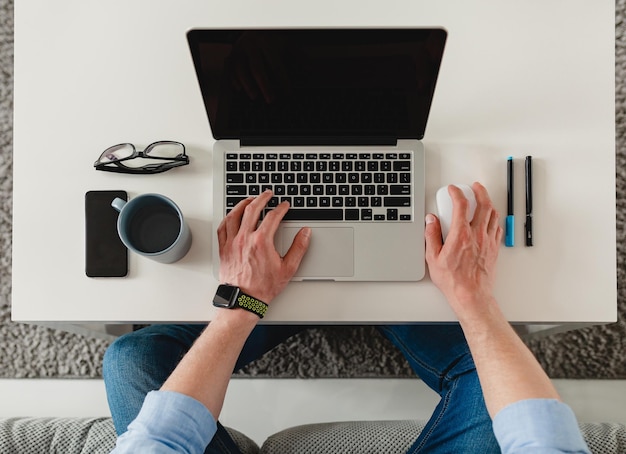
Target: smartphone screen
105, 254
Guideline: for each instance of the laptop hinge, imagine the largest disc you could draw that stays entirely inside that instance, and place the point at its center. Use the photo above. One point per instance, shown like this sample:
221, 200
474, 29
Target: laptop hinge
317, 141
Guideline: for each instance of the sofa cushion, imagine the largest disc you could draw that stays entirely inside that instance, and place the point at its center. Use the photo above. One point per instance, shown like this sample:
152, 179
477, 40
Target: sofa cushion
393, 437
604, 438
74, 436
390, 437
57, 435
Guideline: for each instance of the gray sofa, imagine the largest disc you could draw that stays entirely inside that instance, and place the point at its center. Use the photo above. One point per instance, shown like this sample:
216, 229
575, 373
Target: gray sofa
96, 436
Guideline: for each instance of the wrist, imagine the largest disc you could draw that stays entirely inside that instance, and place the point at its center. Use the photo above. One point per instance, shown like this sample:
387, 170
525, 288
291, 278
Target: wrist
476, 309
236, 318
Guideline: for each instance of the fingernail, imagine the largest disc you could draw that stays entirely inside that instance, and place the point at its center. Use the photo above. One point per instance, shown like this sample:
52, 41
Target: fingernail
430, 218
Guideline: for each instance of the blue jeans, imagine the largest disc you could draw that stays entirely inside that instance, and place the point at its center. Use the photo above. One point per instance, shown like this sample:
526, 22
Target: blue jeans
141, 361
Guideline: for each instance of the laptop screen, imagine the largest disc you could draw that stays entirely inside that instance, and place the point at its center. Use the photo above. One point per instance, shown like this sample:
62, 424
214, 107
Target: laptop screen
317, 86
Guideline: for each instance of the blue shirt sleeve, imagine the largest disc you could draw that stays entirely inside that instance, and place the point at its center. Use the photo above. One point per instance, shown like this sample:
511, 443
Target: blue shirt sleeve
538, 425
169, 422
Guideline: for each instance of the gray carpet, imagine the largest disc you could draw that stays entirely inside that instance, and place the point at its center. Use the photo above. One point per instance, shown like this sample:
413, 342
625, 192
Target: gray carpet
28, 351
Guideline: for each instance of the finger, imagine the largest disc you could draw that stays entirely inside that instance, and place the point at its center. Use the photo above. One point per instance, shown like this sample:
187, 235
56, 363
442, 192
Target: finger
432, 235
494, 223
221, 234
296, 251
484, 207
272, 220
499, 234
460, 205
252, 212
232, 221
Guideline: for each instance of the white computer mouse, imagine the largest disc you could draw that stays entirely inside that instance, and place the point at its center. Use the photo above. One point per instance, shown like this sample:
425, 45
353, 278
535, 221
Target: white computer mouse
444, 206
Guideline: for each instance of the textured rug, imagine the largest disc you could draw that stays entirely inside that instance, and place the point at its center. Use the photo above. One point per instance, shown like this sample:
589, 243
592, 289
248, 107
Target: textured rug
28, 351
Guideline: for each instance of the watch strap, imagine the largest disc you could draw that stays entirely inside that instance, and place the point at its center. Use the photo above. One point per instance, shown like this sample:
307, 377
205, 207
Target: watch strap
251, 304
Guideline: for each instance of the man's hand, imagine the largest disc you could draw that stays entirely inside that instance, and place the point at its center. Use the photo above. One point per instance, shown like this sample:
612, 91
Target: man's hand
464, 267
248, 258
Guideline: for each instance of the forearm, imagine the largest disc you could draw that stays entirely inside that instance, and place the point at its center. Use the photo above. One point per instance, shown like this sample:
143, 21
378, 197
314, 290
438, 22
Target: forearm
206, 369
507, 370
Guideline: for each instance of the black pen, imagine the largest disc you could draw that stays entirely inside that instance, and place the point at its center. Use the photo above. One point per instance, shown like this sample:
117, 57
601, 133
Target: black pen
528, 227
509, 227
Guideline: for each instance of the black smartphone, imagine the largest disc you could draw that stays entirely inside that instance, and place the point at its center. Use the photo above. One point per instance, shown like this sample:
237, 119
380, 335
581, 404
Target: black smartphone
105, 254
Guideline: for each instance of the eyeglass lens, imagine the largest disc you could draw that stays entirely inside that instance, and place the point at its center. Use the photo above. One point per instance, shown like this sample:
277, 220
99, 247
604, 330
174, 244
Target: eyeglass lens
164, 149
117, 152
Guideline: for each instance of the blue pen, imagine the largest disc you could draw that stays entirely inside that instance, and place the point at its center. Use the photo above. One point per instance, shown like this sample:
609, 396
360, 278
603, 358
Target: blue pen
509, 232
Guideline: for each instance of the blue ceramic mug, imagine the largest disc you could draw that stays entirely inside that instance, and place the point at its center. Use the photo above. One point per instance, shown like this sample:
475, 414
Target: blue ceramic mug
153, 226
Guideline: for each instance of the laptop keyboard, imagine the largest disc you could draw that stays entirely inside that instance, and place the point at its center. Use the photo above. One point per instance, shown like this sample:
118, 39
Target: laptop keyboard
325, 186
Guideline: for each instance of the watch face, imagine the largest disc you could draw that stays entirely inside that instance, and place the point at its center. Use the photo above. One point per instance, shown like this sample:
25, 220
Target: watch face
225, 296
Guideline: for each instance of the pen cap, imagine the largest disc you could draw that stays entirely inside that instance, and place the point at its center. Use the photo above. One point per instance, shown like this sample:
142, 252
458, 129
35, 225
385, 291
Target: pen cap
509, 231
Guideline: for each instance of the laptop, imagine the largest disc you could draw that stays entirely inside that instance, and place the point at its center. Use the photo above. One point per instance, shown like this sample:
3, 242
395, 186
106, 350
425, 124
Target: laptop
330, 120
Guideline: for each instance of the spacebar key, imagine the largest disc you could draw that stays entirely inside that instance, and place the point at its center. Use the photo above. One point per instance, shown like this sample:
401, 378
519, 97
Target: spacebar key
319, 214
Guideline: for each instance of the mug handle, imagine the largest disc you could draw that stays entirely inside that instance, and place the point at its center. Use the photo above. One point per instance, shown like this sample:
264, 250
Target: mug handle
118, 204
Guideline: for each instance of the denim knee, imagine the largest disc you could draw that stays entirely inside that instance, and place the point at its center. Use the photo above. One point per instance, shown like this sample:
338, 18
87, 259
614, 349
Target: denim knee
121, 355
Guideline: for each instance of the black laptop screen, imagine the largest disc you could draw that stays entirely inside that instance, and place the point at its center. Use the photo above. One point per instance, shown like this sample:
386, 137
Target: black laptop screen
317, 86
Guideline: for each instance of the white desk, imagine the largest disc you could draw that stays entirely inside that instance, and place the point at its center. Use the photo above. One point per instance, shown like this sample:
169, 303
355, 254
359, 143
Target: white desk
517, 78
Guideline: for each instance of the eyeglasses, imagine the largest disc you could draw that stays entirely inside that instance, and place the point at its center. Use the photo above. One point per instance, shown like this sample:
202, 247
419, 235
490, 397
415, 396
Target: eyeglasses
124, 158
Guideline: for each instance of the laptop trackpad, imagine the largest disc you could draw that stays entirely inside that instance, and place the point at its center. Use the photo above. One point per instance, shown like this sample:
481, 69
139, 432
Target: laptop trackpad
330, 254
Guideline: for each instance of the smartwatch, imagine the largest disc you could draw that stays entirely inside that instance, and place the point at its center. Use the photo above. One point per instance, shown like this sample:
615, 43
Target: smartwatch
231, 297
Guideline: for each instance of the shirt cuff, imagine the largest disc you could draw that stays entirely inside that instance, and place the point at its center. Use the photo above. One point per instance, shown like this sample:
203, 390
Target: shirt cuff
538, 423
172, 420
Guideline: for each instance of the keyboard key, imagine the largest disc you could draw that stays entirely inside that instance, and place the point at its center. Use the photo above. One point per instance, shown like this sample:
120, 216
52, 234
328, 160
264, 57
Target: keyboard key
397, 201
401, 166
405, 217
392, 214
352, 215
234, 178
232, 201
366, 214
236, 189
400, 189
318, 214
